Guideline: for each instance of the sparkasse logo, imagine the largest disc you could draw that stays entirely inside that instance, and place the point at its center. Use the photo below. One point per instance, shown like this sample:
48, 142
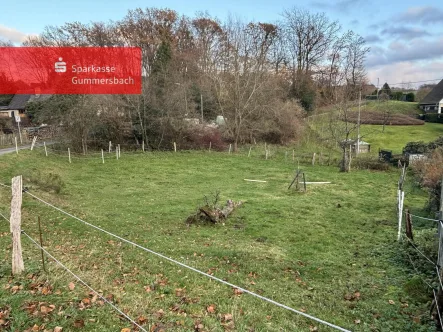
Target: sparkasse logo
60, 66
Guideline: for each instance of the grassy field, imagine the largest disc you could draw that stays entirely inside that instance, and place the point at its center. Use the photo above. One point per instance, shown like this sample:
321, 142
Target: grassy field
330, 252
393, 106
395, 137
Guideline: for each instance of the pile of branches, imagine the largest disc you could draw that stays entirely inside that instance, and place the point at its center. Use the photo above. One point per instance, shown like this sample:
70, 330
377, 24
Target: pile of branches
211, 212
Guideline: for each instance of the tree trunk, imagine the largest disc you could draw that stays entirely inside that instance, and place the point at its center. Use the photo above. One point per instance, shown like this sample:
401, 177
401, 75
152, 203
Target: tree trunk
344, 163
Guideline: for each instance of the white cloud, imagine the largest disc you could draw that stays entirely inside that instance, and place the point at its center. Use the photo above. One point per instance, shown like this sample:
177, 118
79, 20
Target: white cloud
417, 49
15, 36
424, 15
407, 71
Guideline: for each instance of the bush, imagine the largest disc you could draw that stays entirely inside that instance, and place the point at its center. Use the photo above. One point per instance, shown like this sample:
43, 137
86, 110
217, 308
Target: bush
433, 118
369, 162
410, 97
199, 137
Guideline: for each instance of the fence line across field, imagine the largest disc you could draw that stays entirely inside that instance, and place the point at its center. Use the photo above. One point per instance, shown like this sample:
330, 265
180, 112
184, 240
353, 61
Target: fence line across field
318, 320
437, 266
84, 283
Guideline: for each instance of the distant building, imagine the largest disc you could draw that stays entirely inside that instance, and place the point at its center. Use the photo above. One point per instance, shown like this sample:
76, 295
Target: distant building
433, 102
17, 106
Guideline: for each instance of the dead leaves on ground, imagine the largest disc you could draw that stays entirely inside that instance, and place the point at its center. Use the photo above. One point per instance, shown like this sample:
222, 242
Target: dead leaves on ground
4, 318
352, 296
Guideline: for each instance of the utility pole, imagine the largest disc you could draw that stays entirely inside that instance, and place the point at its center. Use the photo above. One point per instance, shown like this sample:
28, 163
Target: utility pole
358, 123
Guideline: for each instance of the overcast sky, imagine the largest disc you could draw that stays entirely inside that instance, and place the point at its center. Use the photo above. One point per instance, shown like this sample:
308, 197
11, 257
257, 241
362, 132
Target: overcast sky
406, 38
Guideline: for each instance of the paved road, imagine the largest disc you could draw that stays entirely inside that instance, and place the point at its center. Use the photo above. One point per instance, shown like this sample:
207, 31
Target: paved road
10, 150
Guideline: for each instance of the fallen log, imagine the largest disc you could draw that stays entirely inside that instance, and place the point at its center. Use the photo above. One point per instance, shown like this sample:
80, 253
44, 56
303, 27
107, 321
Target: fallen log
213, 214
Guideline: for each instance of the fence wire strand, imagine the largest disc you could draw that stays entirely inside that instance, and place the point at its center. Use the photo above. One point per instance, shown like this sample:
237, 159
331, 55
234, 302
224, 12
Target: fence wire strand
415, 247
84, 283
419, 217
4, 217
318, 320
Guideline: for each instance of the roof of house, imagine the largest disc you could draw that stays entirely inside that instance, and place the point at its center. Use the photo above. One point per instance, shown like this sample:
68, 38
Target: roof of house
435, 96
19, 101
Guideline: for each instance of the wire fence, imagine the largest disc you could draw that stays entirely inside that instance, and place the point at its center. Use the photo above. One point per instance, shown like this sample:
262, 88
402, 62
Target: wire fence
405, 233
84, 283
263, 152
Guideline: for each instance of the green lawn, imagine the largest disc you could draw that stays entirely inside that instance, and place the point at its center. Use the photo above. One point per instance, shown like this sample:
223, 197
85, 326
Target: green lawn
395, 137
330, 252
393, 106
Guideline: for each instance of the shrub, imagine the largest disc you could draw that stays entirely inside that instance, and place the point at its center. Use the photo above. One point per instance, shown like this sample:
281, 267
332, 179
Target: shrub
410, 97
199, 137
369, 162
429, 174
433, 118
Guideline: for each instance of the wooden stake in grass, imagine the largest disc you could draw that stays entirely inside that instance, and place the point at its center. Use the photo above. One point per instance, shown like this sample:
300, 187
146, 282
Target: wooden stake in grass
16, 146
249, 153
69, 155
230, 147
116, 153
46, 150
34, 139
313, 159
103, 157
143, 146
41, 243
293, 155
304, 181
119, 152
409, 226
15, 224
110, 146
266, 154
175, 147
210, 145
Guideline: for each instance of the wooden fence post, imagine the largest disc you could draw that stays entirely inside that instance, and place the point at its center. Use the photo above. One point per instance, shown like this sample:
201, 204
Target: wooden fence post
110, 146
103, 157
249, 153
210, 145
175, 147
230, 147
313, 159
409, 226
143, 146
34, 139
46, 151
15, 223
293, 155
69, 154
119, 152
16, 145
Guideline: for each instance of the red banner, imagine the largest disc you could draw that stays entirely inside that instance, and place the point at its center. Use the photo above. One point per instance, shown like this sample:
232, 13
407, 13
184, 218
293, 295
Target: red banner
70, 70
